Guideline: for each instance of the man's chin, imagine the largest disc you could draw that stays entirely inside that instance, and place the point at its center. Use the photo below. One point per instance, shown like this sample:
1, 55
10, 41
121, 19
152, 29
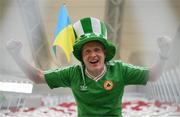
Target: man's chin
96, 67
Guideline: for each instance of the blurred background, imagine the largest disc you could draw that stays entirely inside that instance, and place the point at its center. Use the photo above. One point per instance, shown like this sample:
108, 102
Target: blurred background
133, 25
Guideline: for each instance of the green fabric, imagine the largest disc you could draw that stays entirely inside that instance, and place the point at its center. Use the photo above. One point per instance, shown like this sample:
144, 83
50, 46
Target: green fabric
96, 101
86, 25
103, 29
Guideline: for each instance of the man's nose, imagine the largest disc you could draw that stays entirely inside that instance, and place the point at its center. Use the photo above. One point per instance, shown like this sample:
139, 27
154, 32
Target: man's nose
93, 53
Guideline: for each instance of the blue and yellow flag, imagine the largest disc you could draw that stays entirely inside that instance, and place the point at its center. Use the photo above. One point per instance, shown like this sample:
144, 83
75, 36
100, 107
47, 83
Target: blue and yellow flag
64, 34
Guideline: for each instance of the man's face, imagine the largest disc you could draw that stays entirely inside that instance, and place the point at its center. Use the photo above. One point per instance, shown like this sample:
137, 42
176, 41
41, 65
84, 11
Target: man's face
93, 55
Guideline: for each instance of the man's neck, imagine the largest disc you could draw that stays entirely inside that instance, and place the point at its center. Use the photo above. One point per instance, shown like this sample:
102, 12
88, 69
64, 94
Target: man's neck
96, 74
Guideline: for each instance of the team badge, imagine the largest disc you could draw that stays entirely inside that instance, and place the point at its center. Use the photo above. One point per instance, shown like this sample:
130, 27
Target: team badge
108, 85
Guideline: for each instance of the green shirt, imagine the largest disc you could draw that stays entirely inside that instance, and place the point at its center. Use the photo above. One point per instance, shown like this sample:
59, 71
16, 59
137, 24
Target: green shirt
102, 98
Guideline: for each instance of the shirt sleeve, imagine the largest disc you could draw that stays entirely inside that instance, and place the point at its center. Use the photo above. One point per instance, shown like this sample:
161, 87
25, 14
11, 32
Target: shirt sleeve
59, 77
134, 74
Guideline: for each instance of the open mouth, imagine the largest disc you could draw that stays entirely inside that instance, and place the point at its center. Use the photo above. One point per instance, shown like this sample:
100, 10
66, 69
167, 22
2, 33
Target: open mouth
94, 61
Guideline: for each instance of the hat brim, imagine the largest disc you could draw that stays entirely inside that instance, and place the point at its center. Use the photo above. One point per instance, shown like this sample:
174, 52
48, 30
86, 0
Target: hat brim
109, 47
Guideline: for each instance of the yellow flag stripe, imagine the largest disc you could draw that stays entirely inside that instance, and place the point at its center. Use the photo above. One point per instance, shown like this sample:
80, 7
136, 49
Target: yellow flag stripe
65, 39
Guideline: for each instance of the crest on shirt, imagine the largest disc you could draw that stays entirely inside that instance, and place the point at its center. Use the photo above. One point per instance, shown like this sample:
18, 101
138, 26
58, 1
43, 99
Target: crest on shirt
108, 85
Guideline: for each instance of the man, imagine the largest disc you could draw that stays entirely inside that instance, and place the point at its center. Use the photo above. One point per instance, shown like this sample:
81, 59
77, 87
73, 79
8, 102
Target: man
98, 82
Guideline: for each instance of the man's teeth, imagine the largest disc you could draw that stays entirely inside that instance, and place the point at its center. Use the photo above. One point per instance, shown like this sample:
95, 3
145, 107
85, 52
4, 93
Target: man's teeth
94, 61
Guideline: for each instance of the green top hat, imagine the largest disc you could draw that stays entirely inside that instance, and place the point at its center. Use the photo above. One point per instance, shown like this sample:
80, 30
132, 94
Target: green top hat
91, 29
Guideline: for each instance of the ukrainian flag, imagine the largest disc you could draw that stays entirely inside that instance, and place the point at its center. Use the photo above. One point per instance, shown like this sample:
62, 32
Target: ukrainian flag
64, 34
